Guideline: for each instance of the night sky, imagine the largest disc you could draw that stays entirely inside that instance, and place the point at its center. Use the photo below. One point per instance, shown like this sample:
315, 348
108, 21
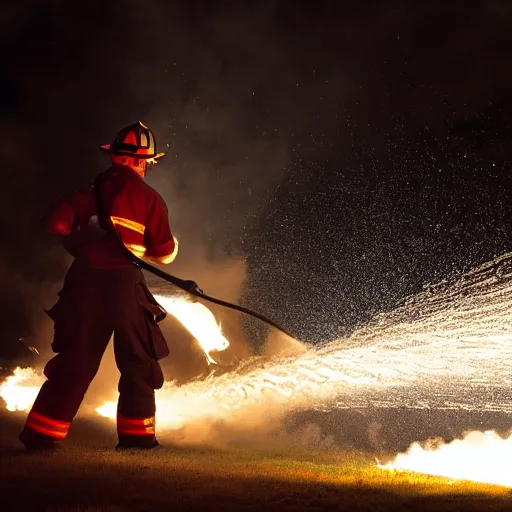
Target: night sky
352, 151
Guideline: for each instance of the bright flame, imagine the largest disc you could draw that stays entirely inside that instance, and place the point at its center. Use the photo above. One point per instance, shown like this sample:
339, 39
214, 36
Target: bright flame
199, 321
480, 456
387, 363
108, 410
20, 390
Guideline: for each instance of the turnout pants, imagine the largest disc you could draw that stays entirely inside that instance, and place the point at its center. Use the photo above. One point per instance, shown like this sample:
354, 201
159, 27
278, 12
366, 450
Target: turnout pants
93, 305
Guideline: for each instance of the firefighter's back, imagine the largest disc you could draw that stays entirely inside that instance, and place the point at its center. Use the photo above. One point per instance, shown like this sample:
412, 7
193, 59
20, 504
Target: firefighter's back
135, 209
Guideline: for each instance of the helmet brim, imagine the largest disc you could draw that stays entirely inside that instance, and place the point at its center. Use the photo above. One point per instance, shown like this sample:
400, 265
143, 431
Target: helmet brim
107, 149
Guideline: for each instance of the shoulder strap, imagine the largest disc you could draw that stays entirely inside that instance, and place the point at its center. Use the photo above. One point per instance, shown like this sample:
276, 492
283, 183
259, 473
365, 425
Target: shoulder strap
105, 222
158, 311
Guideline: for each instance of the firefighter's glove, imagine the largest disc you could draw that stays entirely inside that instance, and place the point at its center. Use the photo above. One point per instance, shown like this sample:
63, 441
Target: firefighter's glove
192, 287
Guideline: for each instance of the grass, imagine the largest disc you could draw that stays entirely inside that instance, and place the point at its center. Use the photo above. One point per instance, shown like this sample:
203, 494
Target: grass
88, 476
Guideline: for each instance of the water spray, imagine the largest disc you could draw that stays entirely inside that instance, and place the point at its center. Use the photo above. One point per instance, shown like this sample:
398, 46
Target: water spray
449, 347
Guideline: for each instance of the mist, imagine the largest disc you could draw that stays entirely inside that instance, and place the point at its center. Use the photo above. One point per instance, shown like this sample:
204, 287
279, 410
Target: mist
292, 133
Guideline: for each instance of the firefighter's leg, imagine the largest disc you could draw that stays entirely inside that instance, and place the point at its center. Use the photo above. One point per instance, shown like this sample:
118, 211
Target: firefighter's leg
140, 376
69, 374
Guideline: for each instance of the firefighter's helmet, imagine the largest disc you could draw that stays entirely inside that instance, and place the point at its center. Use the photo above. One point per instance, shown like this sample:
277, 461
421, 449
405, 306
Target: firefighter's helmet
136, 141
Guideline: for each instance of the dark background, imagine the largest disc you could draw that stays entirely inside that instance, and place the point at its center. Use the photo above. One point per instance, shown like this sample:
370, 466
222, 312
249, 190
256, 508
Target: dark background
352, 151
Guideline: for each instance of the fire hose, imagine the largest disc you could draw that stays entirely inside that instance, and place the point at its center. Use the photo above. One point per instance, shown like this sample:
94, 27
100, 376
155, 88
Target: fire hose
193, 289
186, 285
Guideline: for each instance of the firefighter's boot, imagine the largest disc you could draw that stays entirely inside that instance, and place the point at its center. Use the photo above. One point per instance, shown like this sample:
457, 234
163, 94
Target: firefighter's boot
137, 444
36, 442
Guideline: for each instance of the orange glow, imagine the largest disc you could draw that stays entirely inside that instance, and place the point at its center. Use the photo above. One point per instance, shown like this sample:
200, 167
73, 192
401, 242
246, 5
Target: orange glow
108, 410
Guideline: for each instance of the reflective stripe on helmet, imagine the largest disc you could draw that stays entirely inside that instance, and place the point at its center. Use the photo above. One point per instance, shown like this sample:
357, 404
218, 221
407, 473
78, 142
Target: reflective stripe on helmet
136, 426
47, 426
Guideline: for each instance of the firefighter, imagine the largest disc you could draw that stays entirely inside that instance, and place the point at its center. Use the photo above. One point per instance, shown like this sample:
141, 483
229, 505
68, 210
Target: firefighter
105, 294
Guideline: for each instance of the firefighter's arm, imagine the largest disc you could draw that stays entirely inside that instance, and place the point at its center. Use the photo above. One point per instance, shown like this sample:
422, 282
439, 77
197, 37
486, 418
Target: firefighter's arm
161, 245
60, 220
168, 257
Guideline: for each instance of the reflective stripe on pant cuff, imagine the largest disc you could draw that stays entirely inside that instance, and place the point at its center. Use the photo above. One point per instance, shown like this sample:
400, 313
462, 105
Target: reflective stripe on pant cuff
136, 426
47, 426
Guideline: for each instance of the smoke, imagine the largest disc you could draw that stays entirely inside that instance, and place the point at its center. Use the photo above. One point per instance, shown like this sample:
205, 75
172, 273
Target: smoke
87, 74
202, 77
236, 94
263, 429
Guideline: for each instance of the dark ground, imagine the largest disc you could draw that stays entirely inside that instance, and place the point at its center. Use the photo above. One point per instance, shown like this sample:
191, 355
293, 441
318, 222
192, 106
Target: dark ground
87, 475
